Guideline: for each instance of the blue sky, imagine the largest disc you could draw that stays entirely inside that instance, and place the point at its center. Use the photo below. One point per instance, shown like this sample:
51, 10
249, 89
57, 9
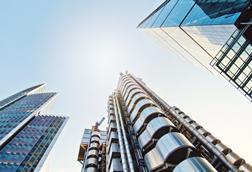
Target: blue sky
78, 48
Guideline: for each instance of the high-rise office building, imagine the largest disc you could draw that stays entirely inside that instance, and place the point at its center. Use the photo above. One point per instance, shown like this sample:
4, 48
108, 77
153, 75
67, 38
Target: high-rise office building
26, 133
215, 34
144, 133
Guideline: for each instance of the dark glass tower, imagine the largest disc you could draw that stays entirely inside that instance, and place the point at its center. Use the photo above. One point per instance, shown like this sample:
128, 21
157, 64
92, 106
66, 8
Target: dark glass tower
144, 133
215, 34
26, 134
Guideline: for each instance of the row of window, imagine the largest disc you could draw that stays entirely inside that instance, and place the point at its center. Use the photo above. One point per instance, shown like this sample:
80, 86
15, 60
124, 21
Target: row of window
28, 146
193, 13
235, 61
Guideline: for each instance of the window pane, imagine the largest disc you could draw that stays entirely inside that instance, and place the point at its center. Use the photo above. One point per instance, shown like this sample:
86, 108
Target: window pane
178, 13
164, 13
215, 12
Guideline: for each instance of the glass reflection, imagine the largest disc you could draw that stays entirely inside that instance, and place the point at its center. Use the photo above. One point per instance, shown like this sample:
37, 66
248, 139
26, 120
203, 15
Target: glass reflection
178, 13
164, 13
215, 13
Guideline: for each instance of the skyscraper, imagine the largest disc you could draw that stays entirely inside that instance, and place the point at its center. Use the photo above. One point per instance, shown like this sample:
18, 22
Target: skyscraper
26, 133
144, 133
215, 34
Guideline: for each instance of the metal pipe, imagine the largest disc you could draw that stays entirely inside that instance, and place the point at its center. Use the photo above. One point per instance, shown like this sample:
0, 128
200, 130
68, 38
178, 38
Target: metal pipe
86, 153
122, 151
130, 161
164, 106
205, 142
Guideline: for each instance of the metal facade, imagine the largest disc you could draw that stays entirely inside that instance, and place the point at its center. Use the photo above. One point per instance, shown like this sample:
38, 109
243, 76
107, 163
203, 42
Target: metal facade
144, 133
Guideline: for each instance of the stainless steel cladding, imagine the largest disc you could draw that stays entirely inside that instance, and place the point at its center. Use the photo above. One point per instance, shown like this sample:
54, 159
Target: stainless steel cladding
114, 161
163, 147
195, 164
94, 151
142, 107
145, 134
170, 150
221, 151
137, 97
146, 116
91, 160
91, 169
155, 129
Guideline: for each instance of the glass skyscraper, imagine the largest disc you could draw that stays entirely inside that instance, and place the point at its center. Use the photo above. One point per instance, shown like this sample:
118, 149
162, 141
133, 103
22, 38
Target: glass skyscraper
26, 133
144, 134
215, 34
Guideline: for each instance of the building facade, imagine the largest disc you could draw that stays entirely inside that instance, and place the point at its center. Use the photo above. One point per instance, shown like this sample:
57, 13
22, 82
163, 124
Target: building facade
26, 133
215, 35
144, 133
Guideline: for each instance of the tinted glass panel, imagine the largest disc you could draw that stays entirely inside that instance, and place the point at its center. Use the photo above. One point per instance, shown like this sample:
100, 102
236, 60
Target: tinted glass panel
215, 13
151, 20
164, 13
25, 150
178, 13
